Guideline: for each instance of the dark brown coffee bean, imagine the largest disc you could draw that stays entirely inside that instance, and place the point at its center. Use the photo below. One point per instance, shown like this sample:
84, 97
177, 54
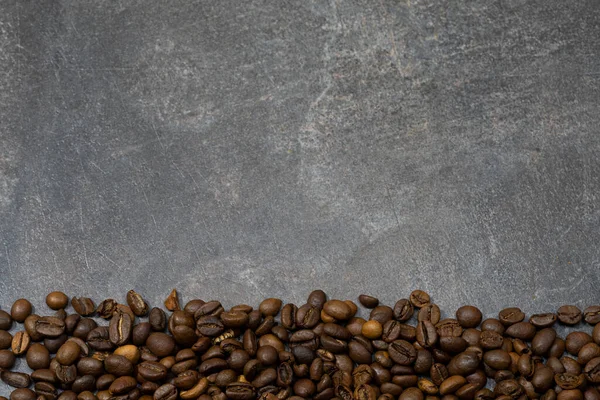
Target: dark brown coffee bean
587, 353
316, 298
381, 314
521, 330
20, 310
90, 366
426, 334
497, 359
15, 379
403, 310
288, 316
66, 374
98, 338
402, 352
591, 393
511, 315
167, 391
591, 315
270, 307
449, 327
240, 391
46, 390
569, 381
508, 387
543, 320
571, 366
57, 300
53, 344
119, 329
104, 381
576, 340
7, 359
492, 324
160, 344
463, 364
50, 326
429, 312
273, 340
234, 319
23, 394
452, 384
118, 365
83, 327
411, 393
68, 353
122, 385
137, 303
569, 315
210, 326
438, 373
423, 362
573, 394
368, 301
308, 316
38, 357
338, 309
542, 379
5, 320
452, 344
558, 348
542, 341
468, 316
592, 370
83, 306
85, 383
472, 336
106, 308
20, 342
5, 340
419, 298
490, 340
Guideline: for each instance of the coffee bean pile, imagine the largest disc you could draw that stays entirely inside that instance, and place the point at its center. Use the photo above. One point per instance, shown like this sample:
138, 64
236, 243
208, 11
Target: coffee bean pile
319, 350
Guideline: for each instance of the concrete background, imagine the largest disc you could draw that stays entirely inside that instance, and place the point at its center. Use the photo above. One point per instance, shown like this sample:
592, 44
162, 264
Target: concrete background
241, 150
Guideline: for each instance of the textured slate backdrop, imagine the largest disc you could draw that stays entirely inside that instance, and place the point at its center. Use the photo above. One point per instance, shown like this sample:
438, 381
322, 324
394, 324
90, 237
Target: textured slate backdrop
237, 150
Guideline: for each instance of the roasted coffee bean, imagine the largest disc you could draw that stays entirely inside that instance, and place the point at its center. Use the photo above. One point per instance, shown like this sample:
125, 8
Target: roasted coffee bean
160, 344
50, 326
468, 316
20, 310
137, 303
426, 334
172, 301
167, 391
449, 327
543, 320
569, 315
66, 374
120, 329
402, 352
15, 379
83, 327
542, 341
5, 320
591, 315
38, 357
57, 300
23, 394
83, 306
510, 316
106, 308
98, 339
403, 310
20, 342
419, 298
576, 340
521, 330
497, 359
382, 314
288, 316
7, 359
368, 301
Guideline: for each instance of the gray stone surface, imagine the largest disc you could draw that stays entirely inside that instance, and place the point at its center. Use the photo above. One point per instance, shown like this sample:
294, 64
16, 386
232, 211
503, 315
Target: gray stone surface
236, 150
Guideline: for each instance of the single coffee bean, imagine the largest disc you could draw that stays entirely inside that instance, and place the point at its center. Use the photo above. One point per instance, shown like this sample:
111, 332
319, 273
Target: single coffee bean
591, 315
423, 362
5, 340
402, 352
449, 327
20, 310
167, 391
429, 312
521, 330
412, 393
492, 324
20, 342
210, 326
120, 328
543, 320
50, 326
463, 364
83, 306
497, 359
240, 391
569, 315
382, 314
316, 298
372, 329
490, 340
308, 316
510, 316
38, 357
23, 394
99, 339
403, 310
468, 316
57, 300
68, 353
83, 327
288, 316
426, 334
452, 344
158, 319
106, 308
172, 301
53, 344
338, 309
137, 303
452, 384
5, 320
160, 344
234, 319
592, 370
542, 341
270, 307
7, 359
368, 301
118, 365
66, 374
122, 385
419, 298
15, 379
576, 340
587, 353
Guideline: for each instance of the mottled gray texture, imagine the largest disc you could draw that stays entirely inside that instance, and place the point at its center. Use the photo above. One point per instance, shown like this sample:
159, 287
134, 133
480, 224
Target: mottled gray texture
237, 150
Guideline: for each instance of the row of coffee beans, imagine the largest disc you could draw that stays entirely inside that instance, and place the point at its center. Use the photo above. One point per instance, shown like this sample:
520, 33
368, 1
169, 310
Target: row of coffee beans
319, 350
